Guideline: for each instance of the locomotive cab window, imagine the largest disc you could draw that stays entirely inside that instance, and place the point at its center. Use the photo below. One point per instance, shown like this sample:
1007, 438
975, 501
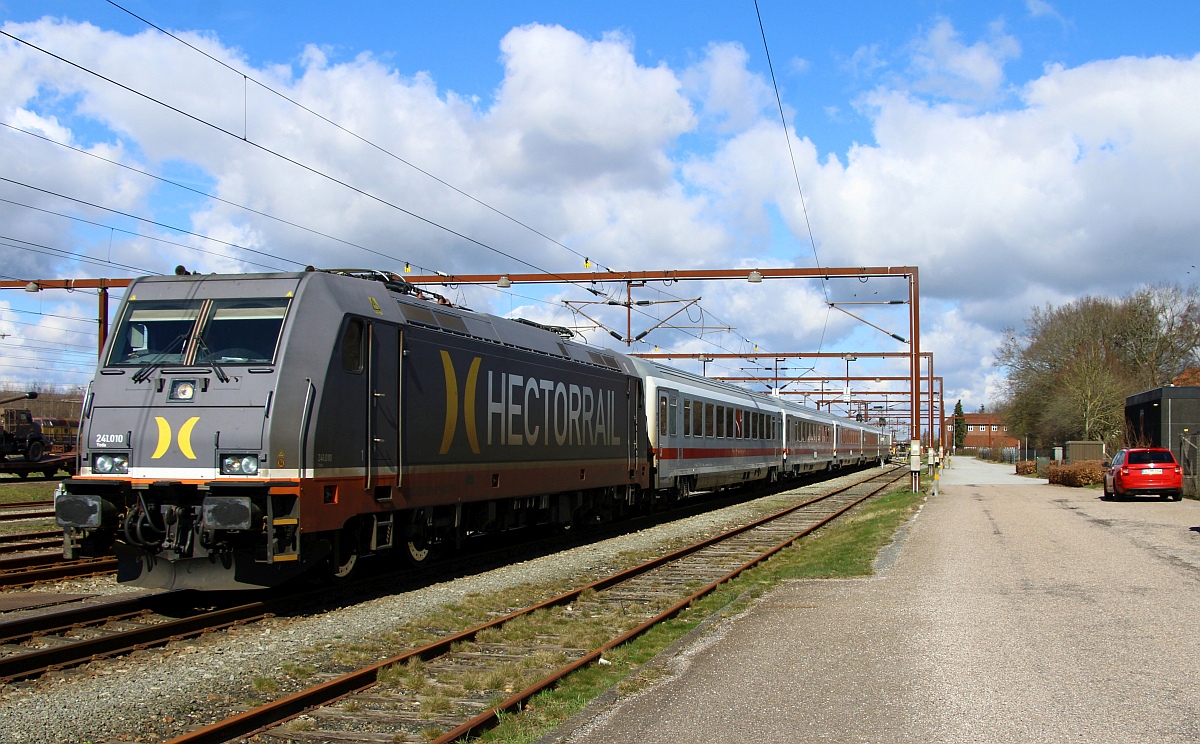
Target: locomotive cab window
154, 332
242, 331
352, 346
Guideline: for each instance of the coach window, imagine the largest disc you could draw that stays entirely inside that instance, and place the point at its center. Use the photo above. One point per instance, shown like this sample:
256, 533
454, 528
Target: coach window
720, 421
708, 419
662, 415
687, 417
697, 419
352, 343
729, 422
673, 420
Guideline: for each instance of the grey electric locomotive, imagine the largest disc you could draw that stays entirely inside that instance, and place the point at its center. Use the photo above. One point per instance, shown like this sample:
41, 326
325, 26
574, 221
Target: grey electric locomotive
243, 429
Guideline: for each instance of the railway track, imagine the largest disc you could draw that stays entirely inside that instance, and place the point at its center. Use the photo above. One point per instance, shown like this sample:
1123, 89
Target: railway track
26, 541
46, 642
459, 685
9, 513
27, 504
36, 569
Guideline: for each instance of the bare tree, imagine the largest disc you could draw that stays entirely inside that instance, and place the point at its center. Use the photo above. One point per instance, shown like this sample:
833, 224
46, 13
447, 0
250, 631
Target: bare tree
1070, 370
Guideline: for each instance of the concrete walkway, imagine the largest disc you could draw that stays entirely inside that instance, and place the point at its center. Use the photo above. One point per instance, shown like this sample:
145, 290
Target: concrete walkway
1017, 611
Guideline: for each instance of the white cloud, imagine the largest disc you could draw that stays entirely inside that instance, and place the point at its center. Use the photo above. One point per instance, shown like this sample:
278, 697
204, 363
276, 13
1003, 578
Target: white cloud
1043, 9
1081, 181
942, 65
732, 95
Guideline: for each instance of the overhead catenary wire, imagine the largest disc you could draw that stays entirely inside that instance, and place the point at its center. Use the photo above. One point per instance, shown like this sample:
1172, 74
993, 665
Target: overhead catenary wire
61, 253
206, 195
90, 347
294, 162
787, 137
132, 232
47, 315
247, 77
263, 148
149, 221
302, 165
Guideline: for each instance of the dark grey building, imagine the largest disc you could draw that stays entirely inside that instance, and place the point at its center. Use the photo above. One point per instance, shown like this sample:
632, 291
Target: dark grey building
1167, 417
1159, 417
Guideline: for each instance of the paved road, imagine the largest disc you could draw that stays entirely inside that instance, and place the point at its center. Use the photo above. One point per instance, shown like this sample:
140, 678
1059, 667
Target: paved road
1016, 611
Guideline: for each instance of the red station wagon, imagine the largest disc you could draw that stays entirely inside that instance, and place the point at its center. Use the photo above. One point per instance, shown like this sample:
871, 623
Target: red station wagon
1142, 470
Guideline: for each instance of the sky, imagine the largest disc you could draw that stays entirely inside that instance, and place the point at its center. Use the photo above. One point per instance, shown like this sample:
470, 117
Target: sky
1018, 153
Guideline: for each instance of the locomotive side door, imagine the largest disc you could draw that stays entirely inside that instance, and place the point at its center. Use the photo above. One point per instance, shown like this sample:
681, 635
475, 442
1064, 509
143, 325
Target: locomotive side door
383, 405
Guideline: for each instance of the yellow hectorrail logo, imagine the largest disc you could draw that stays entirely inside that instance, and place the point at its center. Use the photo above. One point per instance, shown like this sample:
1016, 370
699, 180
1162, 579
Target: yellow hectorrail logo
184, 440
452, 403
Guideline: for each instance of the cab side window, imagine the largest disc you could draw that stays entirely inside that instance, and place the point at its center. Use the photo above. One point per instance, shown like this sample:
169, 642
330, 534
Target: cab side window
352, 346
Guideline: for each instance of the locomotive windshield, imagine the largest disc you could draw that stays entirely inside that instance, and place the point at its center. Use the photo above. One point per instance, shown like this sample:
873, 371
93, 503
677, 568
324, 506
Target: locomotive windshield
242, 331
154, 331
158, 332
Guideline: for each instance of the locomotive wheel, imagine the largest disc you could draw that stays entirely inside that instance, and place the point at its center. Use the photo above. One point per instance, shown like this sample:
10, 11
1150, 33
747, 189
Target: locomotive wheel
33, 452
416, 555
344, 559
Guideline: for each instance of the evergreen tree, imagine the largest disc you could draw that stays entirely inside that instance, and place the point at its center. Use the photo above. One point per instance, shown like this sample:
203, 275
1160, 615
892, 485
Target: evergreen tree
960, 425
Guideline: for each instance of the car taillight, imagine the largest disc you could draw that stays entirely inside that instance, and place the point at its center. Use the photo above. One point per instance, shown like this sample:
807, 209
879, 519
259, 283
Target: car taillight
1125, 471
1177, 470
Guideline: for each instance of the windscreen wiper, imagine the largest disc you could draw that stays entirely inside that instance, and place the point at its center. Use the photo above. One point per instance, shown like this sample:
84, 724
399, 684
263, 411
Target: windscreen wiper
211, 361
148, 368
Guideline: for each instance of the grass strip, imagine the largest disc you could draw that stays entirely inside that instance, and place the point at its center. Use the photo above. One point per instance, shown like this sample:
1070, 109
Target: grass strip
846, 548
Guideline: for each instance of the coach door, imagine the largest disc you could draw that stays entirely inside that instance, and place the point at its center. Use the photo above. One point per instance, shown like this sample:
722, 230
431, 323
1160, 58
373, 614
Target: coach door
669, 445
633, 406
383, 407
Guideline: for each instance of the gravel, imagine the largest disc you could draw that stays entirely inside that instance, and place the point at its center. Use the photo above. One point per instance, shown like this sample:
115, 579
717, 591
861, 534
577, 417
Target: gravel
157, 693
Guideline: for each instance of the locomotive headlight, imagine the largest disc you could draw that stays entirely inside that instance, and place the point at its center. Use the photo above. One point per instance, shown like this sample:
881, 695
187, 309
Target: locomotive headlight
107, 464
239, 465
183, 390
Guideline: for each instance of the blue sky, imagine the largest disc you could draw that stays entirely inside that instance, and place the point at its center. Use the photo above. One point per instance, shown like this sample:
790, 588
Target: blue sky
1014, 150
813, 45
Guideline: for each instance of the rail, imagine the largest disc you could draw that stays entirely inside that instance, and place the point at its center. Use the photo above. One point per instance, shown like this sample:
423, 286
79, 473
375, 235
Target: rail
710, 562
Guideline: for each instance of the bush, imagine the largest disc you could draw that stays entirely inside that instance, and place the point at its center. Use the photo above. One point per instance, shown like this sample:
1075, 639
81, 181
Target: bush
1027, 467
1086, 473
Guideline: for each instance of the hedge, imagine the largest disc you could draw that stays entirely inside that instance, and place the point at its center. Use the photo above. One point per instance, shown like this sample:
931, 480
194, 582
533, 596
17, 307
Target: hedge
1086, 473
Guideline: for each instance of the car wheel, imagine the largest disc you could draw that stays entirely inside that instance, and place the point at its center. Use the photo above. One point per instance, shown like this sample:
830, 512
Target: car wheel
33, 451
1107, 496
